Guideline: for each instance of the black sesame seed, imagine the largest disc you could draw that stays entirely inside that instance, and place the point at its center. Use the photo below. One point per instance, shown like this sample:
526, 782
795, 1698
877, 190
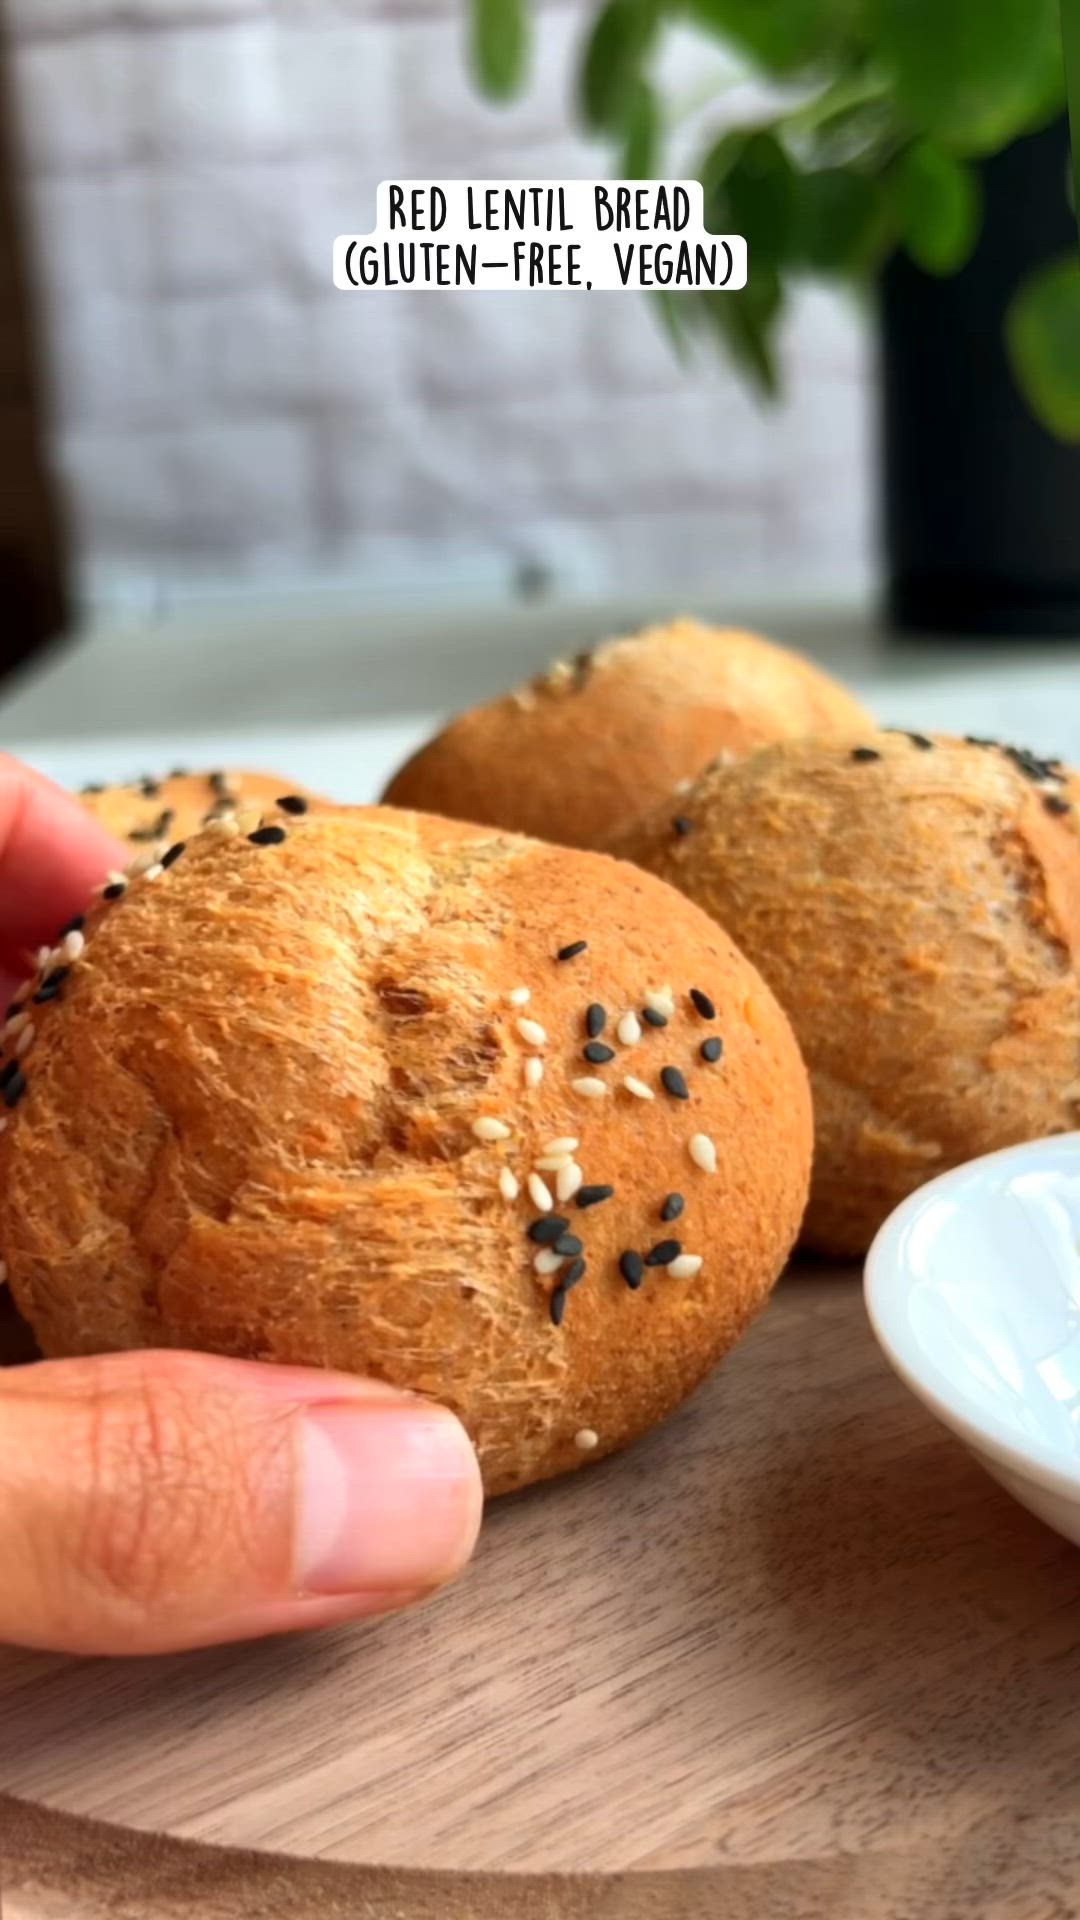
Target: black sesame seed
865, 753
219, 784
1054, 803
595, 1020
8, 1073
652, 1018
920, 740
149, 789
293, 803
13, 1007
157, 829
549, 1228
632, 1268
979, 740
574, 1272
51, 985
116, 891
14, 1089
673, 1083
178, 773
664, 1252
597, 1054
672, 1207
94, 786
681, 825
703, 1004
268, 836
592, 1196
569, 1246
557, 1306
711, 1050
169, 859
571, 952
74, 925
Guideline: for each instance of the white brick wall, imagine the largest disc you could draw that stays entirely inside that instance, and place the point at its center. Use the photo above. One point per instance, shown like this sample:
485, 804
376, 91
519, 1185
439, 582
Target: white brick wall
220, 413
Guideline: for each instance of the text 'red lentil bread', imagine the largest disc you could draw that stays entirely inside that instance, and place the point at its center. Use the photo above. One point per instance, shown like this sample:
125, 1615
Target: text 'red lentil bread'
153, 814
914, 902
514, 1127
592, 745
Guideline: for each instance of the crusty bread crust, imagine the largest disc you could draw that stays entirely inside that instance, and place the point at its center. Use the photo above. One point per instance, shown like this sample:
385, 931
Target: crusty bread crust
593, 744
915, 905
152, 814
250, 1125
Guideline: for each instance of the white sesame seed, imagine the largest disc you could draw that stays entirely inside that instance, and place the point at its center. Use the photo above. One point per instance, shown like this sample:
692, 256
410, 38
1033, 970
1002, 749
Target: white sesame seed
524, 698
73, 944
24, 1043
154, 872
140, 863
15, 1025
534, 1070
548, 1261
532, 1033
638, 1088
42, 957
703, 1153
590, 1088
683, 786
685, 1267
539, 1194
519, 997
587, 1440
226, 825
487, 1128
559, 672
508, 1185
628, 1031
3, 1125
21, 992
114, 878
566, 1143
660, 1000
553, 1162
568, 1181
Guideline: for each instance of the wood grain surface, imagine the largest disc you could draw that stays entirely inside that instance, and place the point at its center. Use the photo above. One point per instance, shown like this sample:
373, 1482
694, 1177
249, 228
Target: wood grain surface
797, 1625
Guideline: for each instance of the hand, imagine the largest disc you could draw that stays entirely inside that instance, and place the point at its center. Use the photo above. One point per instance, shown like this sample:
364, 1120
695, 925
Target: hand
152, 1501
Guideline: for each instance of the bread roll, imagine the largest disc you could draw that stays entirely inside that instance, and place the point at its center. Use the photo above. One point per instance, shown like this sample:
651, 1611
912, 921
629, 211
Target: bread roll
592, 745
286, 1103
914, 903
153, 814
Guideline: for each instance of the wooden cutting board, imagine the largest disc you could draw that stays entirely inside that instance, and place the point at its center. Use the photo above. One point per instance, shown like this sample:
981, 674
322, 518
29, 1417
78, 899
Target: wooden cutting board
795, 1625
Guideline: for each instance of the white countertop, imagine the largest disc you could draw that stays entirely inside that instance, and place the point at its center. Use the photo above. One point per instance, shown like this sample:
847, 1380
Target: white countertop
336, 696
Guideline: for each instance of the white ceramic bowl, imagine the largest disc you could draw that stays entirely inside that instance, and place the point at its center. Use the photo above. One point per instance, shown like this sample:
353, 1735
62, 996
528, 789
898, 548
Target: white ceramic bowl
973, 1290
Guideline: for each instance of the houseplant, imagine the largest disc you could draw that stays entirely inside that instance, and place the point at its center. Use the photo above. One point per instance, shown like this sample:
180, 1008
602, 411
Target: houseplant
888, 163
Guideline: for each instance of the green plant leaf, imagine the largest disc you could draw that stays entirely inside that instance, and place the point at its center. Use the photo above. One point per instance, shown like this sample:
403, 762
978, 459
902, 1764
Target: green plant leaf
781, 35
746, 324
675, 314
499, 46
758, 194
615, 52
973, 72
938, 201
838, 220
1042, 333
641, 141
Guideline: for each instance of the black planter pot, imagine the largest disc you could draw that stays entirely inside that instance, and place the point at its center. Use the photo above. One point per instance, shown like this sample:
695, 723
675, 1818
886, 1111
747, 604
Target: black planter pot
981, 504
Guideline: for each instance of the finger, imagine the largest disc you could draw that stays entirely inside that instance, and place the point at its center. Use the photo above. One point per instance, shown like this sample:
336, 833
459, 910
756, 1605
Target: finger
52, 855
166, 1500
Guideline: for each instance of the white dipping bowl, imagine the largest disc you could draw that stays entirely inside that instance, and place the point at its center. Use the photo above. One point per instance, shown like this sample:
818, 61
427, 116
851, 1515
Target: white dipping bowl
973, 1290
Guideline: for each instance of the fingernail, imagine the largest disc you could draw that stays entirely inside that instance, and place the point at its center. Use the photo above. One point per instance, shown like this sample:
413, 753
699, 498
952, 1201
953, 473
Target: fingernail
389, 1498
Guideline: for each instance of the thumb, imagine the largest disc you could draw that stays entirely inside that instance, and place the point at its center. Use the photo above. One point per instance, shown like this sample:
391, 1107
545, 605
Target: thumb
152, 1501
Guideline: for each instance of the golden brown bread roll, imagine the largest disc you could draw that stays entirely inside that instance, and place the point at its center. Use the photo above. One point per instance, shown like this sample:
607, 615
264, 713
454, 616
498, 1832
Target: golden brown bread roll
286, 1102
914, 903
153, 814
592, 745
